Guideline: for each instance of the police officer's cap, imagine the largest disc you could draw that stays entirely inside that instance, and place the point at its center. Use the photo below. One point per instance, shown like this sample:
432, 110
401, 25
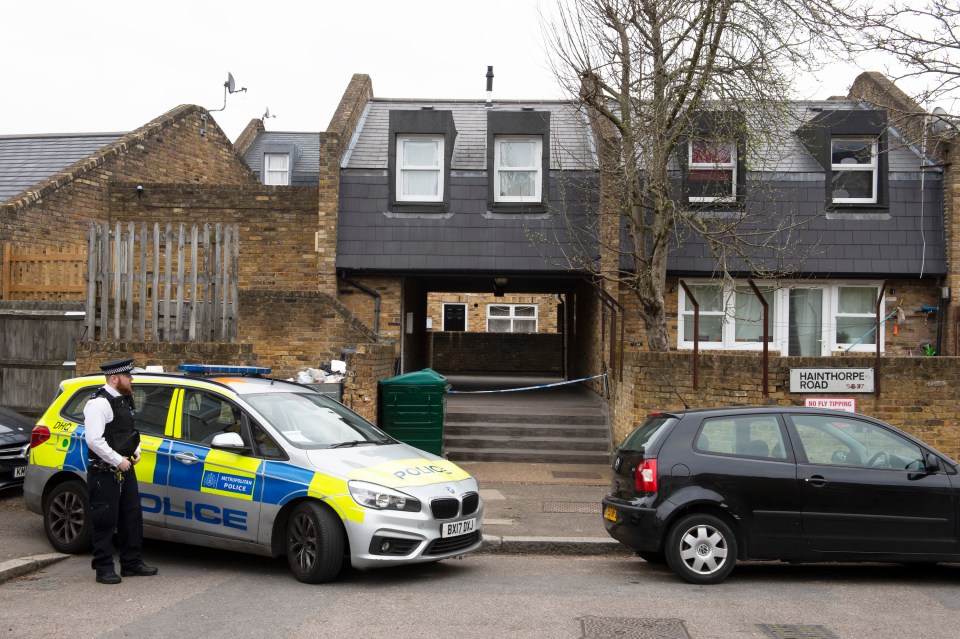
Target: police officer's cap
118, 367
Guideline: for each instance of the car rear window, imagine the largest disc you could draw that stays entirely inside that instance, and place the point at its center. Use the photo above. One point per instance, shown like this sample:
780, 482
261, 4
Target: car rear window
646, 435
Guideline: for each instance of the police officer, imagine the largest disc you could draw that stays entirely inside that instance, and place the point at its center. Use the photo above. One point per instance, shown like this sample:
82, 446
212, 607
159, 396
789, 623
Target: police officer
114, 447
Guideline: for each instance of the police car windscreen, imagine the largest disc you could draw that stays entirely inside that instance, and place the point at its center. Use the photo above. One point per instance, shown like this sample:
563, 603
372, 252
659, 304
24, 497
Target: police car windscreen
309, 421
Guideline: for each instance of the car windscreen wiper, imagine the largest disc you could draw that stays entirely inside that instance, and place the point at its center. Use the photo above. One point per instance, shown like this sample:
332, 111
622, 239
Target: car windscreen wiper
351, 443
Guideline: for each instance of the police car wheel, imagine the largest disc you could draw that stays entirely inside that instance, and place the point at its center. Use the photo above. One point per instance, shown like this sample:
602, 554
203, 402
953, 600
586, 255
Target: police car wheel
315, 543
65, 518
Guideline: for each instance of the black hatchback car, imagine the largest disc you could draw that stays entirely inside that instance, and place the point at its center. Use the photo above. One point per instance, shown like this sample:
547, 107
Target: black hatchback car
15, 430
700, 489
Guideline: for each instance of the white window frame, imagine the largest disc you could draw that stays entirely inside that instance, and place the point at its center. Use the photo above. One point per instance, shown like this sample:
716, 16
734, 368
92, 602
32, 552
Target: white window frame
403, 167
715, 166
276, 177
513, 316
781, 317
443, 315
537, 166
873, 167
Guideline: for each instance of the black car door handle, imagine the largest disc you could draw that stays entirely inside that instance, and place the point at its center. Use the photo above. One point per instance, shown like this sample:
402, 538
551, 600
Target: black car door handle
816, 480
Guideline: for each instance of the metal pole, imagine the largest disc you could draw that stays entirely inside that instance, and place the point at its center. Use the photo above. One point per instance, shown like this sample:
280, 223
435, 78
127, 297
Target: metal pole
876, 365
696, 335
766, 337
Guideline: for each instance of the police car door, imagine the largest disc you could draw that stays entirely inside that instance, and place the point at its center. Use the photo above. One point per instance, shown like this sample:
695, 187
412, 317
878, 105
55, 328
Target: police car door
154, 416
211, 492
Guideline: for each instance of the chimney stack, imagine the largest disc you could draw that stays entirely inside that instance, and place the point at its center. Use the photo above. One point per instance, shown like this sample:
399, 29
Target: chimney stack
489, 86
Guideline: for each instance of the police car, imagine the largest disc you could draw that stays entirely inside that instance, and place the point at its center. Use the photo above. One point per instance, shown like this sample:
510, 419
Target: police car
231, 459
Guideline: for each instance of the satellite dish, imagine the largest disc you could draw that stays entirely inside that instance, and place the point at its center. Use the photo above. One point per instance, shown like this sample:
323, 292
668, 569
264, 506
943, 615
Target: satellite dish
940, 124
231, 85
266, 114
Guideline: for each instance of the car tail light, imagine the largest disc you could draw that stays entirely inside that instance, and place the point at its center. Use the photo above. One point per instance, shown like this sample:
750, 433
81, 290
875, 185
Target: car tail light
645, 480
39, 435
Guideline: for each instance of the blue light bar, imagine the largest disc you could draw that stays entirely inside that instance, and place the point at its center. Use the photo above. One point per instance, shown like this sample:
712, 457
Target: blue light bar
207, 369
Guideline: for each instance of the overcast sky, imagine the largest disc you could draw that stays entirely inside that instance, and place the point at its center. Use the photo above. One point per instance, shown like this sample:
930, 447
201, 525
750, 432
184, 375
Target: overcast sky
114, 65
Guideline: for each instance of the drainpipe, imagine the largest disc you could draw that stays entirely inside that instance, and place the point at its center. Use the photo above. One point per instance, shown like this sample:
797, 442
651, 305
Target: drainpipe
766, 337
376, 301
616, 351
696, 334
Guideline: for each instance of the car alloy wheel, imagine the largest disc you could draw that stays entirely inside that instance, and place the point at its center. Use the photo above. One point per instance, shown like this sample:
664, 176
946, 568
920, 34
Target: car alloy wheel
702, 549
315, 543
65, 518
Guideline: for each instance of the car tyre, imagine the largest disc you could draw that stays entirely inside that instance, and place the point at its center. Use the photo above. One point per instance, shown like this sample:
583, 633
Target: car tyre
652, 557
315, 543
701, 549
66, 520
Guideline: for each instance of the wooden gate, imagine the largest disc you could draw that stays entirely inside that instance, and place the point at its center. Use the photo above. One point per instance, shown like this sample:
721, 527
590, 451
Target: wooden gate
37, 351
170, 286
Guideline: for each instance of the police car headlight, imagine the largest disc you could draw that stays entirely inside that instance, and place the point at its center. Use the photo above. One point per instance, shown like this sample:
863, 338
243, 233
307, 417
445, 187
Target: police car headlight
381, 497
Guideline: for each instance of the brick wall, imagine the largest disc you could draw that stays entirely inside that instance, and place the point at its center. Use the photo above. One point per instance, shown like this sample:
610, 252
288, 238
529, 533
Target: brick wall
477, 309
333, 143
496, 352
919, 394
370, 364
361, 304
91, 354
293, 330
167, 150
276, 224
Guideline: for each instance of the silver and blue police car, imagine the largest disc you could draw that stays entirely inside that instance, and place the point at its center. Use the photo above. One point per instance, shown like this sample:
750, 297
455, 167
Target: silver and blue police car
231, 459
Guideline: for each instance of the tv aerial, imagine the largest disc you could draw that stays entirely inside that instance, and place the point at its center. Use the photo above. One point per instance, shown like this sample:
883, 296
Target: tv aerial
266, 115
229, 87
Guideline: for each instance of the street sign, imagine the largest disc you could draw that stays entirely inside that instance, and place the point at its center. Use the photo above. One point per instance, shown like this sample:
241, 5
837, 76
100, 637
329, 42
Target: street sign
847, 404
831, 380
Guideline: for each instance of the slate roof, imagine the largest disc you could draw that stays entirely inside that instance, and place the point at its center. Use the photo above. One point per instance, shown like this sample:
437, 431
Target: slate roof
571, 144
27, 160
306, 168
904, 239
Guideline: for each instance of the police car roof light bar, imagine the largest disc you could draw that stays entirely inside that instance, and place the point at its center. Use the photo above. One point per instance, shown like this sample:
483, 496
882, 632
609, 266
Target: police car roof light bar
210, 369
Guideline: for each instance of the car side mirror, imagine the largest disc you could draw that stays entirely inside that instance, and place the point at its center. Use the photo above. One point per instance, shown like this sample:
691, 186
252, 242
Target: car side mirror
931, 463
229, 441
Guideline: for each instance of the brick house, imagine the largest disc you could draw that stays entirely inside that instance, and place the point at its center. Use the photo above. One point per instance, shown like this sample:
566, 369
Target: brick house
181, 168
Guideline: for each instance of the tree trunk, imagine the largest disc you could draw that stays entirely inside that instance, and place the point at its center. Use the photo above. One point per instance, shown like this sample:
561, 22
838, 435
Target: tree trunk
655, 322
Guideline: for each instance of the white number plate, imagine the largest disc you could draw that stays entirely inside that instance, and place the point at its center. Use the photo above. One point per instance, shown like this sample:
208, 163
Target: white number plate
455, 528
19, 471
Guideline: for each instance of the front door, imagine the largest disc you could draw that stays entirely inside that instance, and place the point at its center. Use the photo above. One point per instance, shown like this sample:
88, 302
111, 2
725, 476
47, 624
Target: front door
863, 489
454, 317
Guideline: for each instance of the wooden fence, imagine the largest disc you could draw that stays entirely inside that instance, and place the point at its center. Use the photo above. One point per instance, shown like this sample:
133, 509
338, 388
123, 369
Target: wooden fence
174, 285
43, 272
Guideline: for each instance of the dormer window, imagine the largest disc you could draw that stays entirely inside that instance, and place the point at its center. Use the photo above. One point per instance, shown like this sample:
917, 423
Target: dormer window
854, 170
518, 162
420, 168
712, 175
851, 146
276, 168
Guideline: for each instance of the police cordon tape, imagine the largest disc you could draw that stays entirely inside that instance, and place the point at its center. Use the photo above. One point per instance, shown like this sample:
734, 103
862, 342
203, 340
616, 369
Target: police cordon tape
526, 388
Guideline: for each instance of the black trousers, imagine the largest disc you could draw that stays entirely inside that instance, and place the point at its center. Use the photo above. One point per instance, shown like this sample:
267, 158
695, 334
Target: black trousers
115, 508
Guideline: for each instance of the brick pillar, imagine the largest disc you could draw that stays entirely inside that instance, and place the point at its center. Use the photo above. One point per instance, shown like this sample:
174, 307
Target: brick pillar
333, 144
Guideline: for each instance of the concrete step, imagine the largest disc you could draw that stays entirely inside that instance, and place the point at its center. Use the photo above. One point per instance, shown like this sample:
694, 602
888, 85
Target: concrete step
572, 416
479, 429
454, 453
591, 444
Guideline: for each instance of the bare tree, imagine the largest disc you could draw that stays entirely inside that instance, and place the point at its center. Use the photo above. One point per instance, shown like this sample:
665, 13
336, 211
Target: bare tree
646, 72
921, 38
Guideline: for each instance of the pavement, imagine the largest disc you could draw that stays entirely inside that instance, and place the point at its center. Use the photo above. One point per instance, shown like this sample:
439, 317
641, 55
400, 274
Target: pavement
528, 509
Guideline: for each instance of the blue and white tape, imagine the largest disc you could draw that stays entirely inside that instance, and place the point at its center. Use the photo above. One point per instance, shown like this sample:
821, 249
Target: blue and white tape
526, 388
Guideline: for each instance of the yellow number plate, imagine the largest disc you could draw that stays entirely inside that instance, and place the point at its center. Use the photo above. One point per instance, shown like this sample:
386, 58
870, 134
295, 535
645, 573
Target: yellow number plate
610, 513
